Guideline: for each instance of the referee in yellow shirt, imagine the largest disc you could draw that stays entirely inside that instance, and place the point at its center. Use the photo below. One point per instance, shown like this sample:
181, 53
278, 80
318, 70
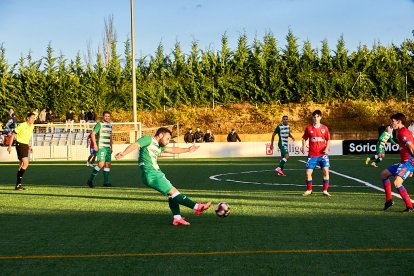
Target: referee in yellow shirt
23, 133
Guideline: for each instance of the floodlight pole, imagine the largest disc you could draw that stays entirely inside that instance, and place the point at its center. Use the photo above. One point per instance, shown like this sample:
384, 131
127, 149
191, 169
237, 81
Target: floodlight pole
134, 81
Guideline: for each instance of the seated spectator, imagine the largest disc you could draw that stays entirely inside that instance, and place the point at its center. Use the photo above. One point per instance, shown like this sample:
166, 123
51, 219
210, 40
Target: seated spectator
208, 137
198, 136
189, 136
233, 136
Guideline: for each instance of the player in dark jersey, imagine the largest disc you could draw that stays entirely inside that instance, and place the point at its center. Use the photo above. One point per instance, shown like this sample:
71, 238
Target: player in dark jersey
401, 170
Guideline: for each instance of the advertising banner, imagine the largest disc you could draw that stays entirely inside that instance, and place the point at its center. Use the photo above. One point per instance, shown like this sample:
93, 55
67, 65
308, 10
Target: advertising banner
365, 147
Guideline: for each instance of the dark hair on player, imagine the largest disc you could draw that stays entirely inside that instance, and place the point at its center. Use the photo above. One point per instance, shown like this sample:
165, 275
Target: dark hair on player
399, 117
30, 114
163, 130
317, 112
106, 112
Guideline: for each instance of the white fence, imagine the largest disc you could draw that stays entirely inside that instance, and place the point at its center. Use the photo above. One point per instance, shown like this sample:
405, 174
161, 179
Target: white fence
206, 150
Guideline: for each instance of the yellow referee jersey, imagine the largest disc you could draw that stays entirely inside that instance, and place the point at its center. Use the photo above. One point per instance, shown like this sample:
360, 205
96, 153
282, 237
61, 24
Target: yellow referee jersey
24, 132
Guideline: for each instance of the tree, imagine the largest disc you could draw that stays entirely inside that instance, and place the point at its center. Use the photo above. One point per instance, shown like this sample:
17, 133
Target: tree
290, 69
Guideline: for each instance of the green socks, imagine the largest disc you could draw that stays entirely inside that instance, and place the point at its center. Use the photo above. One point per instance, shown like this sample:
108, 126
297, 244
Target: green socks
93, 174
174, 206
282, 163
106, 175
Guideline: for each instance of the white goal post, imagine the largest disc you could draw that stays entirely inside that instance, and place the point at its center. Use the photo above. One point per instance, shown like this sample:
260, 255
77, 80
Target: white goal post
63, 141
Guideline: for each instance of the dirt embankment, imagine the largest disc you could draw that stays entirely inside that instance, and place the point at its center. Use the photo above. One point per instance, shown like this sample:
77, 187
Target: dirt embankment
346, 120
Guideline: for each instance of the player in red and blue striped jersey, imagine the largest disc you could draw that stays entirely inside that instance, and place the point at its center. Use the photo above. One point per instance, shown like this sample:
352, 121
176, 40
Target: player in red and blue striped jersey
401, 170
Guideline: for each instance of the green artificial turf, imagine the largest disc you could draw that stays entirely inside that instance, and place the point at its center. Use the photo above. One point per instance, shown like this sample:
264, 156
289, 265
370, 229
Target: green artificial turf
59, 226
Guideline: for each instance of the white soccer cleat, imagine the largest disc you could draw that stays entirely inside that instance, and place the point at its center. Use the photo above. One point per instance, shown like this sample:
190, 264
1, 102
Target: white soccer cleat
307, 193
325, 193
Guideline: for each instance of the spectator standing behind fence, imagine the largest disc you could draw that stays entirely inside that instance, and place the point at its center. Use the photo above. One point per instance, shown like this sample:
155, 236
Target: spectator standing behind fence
208, 137
90, 116
82, 120
69, 119
50, 118
189, 136
233, 136
198, 136
36, 113
42, 116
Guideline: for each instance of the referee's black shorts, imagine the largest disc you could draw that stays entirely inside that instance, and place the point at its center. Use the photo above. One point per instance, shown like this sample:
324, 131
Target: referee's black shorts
22, 150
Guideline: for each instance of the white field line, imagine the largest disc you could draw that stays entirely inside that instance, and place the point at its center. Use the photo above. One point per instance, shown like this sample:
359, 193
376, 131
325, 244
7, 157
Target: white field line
217, 178
367, 184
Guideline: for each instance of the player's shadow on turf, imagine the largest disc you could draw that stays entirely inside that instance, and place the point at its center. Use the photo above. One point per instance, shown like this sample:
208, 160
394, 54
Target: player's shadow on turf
23, 193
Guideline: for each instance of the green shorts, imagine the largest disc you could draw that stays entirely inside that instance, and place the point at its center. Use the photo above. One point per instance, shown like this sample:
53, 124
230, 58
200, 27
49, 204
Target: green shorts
283, 150
104, 155
380, 149
157, 181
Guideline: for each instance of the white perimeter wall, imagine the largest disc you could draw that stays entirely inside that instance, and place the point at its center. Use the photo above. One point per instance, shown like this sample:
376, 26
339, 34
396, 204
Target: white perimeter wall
206, 150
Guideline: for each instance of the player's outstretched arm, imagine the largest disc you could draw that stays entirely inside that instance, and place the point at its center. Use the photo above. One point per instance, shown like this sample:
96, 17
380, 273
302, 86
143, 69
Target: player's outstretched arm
177, 150
129, 149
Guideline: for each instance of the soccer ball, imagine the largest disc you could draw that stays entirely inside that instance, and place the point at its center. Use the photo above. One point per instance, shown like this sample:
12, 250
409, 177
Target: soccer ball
222, 209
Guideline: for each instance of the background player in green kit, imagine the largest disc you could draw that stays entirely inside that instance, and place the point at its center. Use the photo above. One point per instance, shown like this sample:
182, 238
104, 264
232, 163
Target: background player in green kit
149, 149
283, 130
101, 137
384, 138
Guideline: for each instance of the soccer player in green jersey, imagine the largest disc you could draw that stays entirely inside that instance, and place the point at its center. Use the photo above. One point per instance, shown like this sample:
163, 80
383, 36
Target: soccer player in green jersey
283, 130
101, 136
384, 138
152, 176
23, 134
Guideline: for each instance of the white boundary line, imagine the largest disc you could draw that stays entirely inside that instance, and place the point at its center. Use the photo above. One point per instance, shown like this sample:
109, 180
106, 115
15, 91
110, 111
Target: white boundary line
216, 178
367, 184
